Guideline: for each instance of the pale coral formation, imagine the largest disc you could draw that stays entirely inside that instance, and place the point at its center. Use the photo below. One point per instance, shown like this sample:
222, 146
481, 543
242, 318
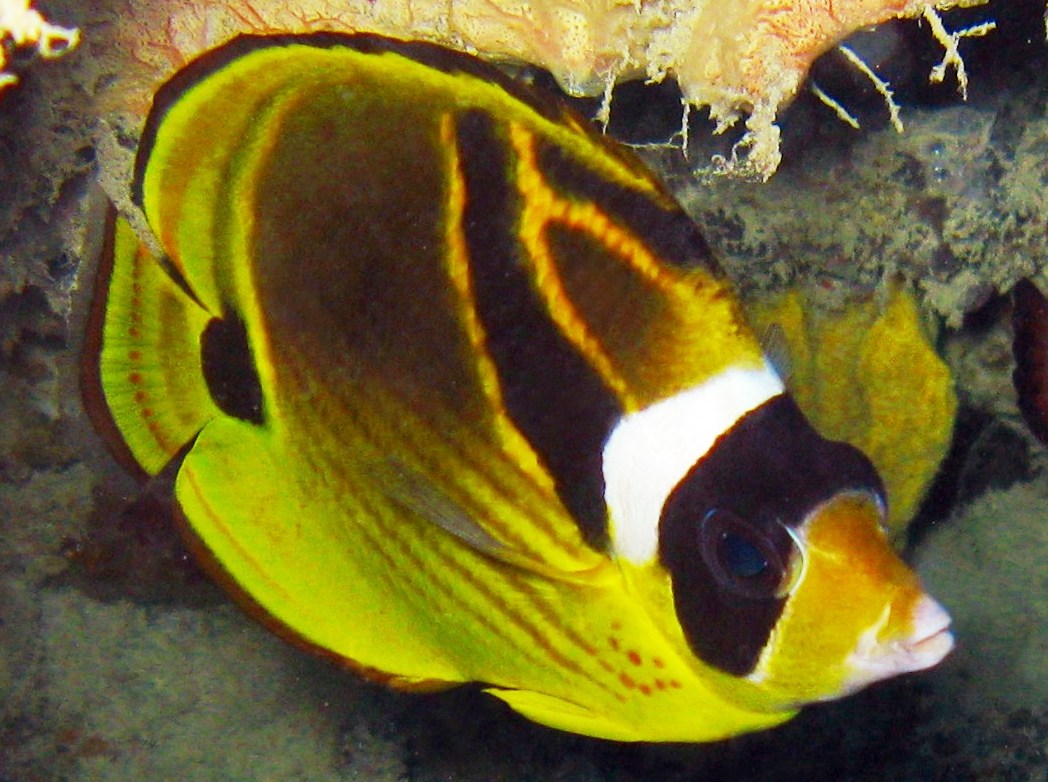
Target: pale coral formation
743, 59
23, 27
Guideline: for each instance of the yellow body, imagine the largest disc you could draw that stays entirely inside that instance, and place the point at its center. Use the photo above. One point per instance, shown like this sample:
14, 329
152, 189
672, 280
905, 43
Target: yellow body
384, 507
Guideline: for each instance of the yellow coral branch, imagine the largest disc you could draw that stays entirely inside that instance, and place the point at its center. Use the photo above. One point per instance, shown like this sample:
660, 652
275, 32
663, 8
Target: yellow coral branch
842, 113
24, 27
950, 43
879, 84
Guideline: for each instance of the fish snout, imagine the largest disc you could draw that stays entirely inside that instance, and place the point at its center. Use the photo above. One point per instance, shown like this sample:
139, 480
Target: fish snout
904, 642
931, 639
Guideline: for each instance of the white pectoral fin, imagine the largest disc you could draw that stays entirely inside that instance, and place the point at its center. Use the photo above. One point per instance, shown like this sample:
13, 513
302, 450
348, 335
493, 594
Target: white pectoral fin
435, 504
429, 501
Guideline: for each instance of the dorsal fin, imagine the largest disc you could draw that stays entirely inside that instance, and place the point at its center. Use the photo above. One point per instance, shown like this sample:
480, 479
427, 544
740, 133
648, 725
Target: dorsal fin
143, 354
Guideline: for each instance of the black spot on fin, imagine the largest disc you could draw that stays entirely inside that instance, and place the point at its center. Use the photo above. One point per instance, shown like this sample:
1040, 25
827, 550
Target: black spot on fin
229, 369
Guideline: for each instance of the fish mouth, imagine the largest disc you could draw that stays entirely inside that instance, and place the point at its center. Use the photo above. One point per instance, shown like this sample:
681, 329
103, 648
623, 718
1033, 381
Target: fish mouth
932, 639
927, 644
931, 649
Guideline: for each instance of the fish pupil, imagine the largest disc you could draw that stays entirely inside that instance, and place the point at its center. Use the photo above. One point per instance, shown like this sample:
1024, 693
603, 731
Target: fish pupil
742, 558
229, 369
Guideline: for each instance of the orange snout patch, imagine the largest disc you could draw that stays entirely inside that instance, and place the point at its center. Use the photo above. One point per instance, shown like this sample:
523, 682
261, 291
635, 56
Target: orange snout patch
853, 583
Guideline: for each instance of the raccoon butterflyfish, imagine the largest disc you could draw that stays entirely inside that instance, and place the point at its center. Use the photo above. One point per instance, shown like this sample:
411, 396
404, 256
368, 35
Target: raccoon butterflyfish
453, 391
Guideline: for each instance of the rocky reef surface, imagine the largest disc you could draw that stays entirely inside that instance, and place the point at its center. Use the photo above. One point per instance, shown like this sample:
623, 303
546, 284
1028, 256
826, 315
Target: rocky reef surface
119, 661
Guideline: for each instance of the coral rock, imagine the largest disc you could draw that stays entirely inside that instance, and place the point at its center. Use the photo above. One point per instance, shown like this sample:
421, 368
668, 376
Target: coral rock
743, 58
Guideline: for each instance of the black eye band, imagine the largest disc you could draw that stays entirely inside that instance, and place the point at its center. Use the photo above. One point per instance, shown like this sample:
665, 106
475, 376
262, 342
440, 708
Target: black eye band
727, 534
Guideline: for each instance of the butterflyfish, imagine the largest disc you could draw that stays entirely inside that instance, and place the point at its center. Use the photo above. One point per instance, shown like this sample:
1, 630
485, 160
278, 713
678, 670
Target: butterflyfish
453, 391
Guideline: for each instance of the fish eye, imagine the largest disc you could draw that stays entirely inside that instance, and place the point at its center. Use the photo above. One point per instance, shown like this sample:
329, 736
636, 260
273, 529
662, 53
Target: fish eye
744, 559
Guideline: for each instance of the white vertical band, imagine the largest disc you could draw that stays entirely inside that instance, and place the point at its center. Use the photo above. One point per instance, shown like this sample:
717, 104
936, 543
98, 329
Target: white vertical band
650, 451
